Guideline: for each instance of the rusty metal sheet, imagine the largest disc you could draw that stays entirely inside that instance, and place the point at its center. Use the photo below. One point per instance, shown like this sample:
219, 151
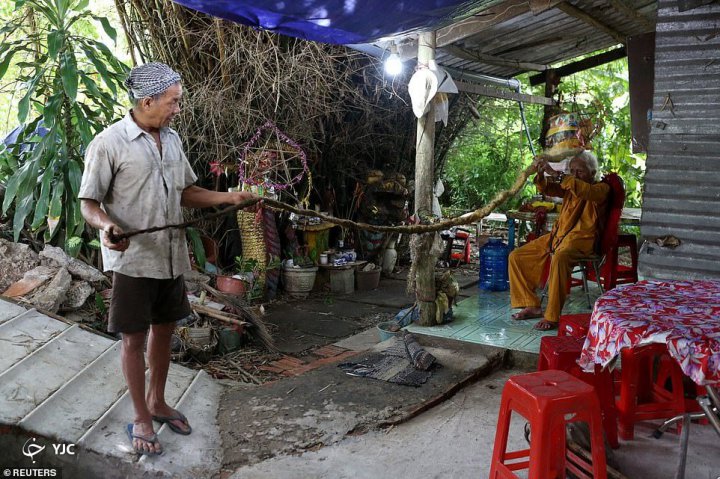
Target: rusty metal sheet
682, 182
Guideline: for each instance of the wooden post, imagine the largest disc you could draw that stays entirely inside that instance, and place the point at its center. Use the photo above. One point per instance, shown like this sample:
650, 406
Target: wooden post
424, 168
552, 80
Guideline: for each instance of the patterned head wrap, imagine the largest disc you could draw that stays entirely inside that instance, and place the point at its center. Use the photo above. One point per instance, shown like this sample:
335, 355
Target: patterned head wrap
150, 79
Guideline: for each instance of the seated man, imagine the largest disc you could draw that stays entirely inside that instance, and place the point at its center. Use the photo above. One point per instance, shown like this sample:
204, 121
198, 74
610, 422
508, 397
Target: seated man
573, 236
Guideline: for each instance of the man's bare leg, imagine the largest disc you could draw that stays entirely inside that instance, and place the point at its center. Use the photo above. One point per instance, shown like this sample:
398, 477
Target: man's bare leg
159, 360
133, 366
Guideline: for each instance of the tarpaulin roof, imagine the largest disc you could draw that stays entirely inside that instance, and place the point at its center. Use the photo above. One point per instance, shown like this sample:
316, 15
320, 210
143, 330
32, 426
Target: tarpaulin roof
338, 21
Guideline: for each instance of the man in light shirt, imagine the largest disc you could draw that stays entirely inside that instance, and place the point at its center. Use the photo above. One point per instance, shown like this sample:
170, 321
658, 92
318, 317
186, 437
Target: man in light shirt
137, 176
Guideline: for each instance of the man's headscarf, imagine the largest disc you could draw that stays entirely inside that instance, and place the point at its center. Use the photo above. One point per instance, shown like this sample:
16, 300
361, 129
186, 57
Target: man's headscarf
150, 79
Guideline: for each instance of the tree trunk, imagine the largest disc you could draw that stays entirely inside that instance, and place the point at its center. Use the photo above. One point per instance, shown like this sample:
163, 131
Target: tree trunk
424, 167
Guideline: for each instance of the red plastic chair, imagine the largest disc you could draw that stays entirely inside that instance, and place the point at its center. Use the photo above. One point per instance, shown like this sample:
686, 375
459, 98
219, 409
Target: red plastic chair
548, 400
562, 352
612, 272
608, 244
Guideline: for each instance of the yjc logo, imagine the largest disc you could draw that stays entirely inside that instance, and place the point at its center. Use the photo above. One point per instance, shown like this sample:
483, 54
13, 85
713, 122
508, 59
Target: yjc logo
31, 449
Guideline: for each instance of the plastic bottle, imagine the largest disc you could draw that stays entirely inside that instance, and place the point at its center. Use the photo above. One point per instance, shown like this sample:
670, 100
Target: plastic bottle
494, 265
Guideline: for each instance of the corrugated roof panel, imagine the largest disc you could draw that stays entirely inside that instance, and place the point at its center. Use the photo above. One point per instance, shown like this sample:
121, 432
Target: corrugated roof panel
682, 195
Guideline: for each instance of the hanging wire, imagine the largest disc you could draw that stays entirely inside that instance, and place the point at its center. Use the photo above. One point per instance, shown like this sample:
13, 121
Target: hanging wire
522, 116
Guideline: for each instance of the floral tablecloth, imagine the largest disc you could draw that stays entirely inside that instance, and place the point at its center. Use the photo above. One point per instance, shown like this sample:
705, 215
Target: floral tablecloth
683, 314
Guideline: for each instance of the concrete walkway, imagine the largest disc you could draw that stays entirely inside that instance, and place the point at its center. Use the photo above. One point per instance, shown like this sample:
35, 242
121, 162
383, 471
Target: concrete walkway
60, 383
455, 440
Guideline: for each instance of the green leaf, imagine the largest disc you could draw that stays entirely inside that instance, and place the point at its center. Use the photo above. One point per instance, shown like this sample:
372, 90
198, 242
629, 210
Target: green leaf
41, 209
74, 176
197, 247
24, 104
68, 70
56, 207
109, 30
22, 210
6, 62
101, 68
81, 5
55, 40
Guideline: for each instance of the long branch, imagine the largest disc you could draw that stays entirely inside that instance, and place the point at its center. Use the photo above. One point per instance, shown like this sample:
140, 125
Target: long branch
467, 218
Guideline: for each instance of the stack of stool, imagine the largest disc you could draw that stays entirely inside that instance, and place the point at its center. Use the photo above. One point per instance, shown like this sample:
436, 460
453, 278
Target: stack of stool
562, 352
548, 400
641, 397
575, 325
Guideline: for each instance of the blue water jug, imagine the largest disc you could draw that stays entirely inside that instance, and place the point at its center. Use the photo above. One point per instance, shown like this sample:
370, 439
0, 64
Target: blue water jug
494, 265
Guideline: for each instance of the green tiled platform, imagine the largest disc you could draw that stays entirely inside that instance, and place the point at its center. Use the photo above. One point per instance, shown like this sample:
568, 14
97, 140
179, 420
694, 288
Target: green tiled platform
485, 319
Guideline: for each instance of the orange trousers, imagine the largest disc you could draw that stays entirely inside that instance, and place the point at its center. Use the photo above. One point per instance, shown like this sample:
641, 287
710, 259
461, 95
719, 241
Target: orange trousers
525, 267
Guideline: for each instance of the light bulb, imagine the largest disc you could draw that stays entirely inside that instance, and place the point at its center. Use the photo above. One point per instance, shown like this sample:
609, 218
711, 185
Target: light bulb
393, 65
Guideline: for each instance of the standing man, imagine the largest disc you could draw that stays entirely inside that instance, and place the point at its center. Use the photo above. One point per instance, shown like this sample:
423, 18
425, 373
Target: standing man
137, 176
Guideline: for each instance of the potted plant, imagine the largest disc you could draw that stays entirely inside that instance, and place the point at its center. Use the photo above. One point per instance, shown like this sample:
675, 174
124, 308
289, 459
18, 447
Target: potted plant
243, 280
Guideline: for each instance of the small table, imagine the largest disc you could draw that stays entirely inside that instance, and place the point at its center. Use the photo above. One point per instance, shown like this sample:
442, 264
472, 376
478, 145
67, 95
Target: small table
685, 315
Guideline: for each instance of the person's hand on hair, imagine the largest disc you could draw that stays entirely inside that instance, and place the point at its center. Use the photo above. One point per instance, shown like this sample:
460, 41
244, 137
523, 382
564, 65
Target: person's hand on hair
109, 238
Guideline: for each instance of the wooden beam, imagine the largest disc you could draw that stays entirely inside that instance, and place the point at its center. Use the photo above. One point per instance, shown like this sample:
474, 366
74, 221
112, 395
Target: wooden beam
504, 94
493, 60
622, 7
575, 12
582, 65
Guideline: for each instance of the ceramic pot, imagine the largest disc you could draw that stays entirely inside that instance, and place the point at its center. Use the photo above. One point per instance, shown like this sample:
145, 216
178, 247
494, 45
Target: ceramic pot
230, 285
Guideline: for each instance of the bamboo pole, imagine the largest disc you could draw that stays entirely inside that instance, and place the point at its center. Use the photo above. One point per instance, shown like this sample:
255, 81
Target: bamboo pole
424, 167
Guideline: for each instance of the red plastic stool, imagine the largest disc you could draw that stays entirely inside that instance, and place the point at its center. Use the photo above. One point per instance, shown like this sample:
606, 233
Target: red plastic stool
641, 398
562, 352
575, 325
669, 368
548, 400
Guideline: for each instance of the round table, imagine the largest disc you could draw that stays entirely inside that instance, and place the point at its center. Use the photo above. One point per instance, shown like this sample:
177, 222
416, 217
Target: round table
683, 314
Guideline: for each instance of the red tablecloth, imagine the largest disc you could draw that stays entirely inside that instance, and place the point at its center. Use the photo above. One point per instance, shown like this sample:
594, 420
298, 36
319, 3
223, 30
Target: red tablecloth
684, 314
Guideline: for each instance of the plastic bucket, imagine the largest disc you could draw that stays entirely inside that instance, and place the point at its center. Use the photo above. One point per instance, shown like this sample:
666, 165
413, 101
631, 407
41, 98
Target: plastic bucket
367, 280
384, 332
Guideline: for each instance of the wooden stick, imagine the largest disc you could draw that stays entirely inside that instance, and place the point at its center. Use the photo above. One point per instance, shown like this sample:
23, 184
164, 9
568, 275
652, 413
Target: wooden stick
215, 314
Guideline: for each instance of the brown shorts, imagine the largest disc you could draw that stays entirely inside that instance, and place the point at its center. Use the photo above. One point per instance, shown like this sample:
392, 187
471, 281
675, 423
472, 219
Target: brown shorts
139, 302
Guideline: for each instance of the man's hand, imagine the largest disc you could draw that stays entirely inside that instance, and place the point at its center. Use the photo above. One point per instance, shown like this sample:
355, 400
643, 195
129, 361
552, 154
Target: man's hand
237, 197
109, 234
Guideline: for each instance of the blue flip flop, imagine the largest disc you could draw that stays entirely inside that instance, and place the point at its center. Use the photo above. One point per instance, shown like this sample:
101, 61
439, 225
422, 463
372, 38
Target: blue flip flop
178, 416
152, 439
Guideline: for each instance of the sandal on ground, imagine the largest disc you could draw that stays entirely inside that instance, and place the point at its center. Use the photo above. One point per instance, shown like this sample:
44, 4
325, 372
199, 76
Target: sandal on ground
524, 314
151, 439
545, 325
178, 416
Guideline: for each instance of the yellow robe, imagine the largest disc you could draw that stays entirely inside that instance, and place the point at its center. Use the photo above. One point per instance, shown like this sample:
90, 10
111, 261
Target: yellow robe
573, 236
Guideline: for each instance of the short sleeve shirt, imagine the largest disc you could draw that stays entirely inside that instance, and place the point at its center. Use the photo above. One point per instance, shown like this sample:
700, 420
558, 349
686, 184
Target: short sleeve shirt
139, 188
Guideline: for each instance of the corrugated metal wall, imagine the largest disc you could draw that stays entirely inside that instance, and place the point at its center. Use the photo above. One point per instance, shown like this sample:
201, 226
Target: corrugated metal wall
682, 182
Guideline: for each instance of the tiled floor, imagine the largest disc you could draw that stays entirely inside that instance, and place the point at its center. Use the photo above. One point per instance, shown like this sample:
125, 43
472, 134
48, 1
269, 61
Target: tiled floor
485, 319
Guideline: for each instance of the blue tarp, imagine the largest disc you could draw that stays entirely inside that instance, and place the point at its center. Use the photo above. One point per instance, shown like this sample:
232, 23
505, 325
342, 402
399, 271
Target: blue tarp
338, 21
12, 137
